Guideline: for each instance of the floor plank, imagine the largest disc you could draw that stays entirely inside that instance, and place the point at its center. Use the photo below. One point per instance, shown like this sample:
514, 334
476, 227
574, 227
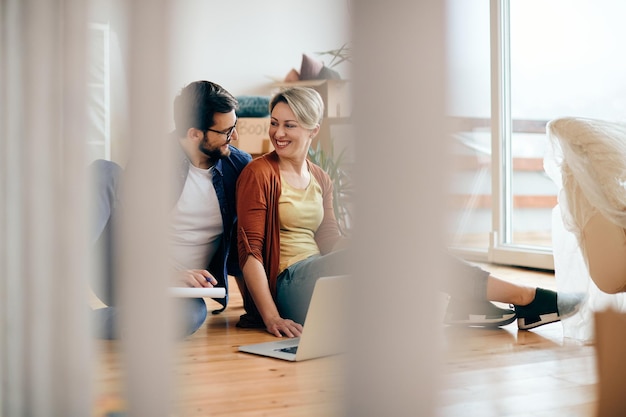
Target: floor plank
486, 372
214, 379
511, 372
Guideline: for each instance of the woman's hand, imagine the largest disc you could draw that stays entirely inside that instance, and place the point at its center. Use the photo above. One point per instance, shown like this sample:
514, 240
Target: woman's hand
196, 278
256, 281
279, 327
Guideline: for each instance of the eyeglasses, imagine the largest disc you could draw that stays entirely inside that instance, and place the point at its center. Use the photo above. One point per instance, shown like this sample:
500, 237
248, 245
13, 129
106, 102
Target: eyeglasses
228, 133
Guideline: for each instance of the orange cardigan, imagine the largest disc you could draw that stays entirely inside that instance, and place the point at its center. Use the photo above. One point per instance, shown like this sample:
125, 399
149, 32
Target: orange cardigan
258, 231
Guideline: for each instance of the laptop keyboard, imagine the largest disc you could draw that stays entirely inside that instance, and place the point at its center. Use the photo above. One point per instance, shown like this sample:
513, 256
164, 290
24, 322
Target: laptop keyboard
292, 349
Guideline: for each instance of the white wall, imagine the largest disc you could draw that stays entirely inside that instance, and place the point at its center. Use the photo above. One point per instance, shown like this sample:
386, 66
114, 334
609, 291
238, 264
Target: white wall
245, 45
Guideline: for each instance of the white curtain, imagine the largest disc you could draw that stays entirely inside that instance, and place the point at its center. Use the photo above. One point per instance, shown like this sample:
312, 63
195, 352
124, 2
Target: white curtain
46, 351
46, 348
148, 331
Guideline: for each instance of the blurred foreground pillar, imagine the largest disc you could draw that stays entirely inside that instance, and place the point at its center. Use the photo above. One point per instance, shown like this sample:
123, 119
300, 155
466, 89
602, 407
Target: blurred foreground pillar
399, 96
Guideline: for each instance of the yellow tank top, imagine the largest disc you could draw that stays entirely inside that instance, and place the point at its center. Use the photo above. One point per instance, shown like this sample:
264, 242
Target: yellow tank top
301, 213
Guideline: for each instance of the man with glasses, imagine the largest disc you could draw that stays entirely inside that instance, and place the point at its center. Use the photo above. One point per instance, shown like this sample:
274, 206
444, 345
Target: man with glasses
203, 214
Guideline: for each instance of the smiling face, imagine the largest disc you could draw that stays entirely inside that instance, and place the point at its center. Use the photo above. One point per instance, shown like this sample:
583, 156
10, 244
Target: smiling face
214, 143
289, 138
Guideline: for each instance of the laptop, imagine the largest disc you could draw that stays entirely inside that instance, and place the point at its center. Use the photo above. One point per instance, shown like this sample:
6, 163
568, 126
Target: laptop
323, 332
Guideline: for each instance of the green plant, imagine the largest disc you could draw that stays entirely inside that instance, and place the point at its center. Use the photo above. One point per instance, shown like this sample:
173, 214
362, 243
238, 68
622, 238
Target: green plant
342, 184
340, 55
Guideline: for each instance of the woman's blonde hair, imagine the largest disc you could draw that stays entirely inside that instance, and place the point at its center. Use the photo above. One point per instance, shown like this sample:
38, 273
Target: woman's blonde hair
304, 102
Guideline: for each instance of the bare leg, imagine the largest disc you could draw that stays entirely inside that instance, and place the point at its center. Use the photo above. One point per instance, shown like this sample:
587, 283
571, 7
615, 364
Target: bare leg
604, 247
468, 287
508, 292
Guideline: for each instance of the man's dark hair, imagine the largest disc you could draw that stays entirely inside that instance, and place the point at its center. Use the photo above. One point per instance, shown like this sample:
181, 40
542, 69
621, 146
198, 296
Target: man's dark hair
197, 103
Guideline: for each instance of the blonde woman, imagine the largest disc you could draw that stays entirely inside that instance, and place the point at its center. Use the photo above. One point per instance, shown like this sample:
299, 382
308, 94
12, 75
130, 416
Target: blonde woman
288, 236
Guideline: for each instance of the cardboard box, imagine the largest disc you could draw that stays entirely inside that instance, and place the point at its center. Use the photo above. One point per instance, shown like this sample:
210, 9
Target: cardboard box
253, 135
338, 133
336, 94
610, 344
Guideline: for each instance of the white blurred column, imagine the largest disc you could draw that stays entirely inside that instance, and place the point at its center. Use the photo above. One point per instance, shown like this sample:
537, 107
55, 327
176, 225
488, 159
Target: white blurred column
147, 319
399, 96
45, 344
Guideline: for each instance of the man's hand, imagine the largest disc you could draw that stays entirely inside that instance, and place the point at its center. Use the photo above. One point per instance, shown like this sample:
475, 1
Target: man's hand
196, 278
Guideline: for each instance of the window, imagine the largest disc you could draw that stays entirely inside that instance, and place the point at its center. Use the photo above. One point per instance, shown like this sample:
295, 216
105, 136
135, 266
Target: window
470, 113
548, 58
98, 89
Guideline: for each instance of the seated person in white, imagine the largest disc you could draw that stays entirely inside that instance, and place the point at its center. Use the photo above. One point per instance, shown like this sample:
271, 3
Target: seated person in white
587, 161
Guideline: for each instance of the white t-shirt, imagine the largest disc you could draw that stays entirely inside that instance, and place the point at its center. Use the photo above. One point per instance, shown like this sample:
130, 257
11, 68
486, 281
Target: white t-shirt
196, 222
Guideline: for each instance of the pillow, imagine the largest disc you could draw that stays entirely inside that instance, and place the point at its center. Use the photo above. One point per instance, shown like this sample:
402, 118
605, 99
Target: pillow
253, 106
292, 76
328, 74
310, 67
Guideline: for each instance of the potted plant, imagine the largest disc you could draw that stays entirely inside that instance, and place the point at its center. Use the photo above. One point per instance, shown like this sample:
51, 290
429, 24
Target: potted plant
343, 54
336, 168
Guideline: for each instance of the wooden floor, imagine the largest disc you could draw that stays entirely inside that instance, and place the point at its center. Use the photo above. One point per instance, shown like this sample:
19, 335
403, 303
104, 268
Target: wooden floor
499, 372
511, 372
214, 379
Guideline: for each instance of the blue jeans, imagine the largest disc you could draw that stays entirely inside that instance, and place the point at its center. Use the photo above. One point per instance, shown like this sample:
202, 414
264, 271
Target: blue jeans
294, 285
106, 177
192, 310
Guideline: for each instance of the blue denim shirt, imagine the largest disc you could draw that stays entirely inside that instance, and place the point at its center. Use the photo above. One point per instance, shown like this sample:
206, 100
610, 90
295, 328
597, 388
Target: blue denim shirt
225, 174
